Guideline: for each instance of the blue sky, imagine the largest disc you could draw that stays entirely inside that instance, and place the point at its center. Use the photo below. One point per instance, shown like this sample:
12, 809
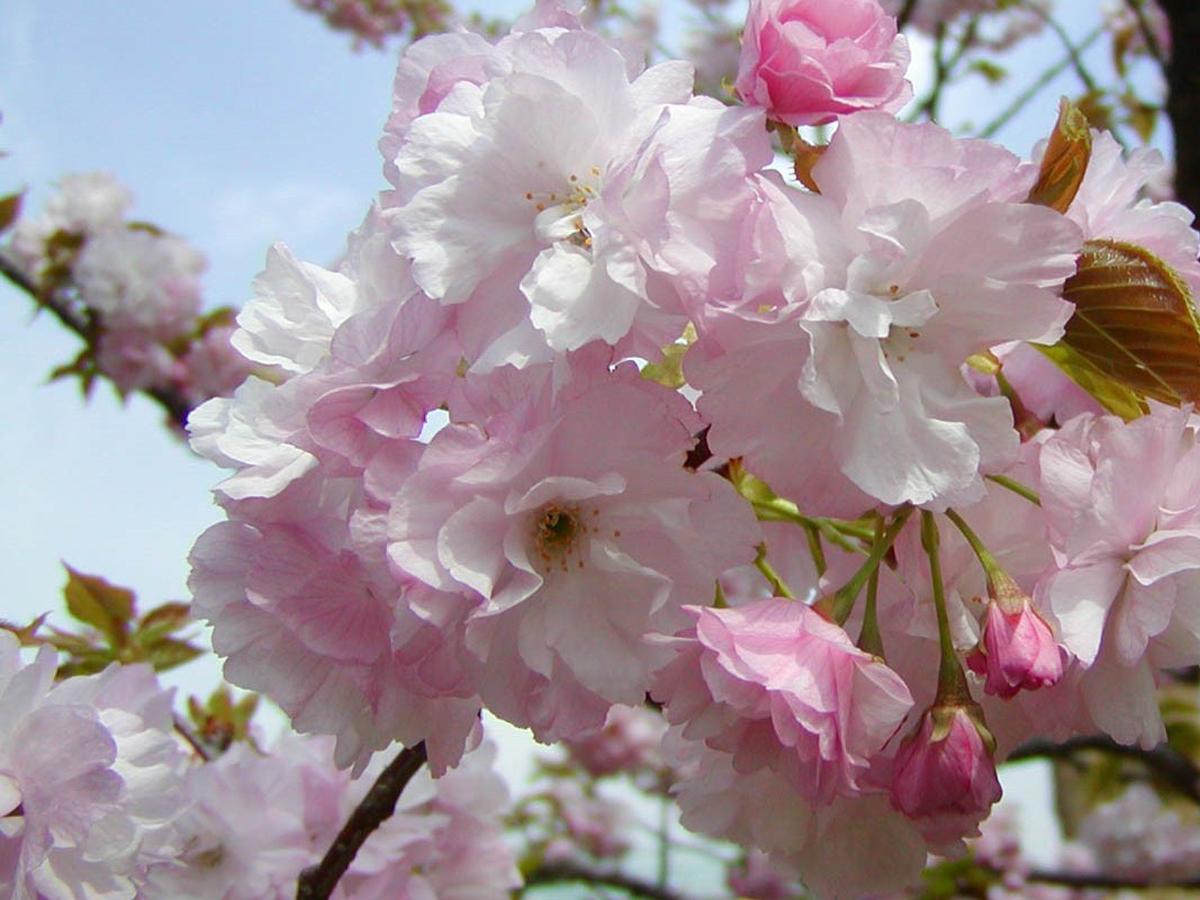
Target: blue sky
235, 124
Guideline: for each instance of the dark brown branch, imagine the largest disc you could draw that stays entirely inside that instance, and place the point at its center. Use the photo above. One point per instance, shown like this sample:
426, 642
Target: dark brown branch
182, 729
1183, 99
1111, 882
75, 319
906, 13
1170, 766
557, 873
317, 882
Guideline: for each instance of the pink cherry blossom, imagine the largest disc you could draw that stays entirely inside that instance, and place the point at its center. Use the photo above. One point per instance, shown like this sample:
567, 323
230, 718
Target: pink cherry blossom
862, 291
825, 846
606, 235
1017, 651
141, 280
1120, 502
574, 521
808, 61
776, 685
256, 820
1138, 836
89, 777
85, 203
945, 775
212, 367
628, 742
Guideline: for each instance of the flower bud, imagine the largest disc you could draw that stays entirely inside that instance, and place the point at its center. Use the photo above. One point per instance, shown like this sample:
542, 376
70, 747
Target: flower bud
945, 774
1016, 651
808, 61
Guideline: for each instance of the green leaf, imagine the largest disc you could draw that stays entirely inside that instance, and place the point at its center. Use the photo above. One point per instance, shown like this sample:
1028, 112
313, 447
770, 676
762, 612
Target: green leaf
1114, 396
94, 601
10, 209
168, 653
1135, 321
992, 72
162, 621
1065, 161
220, 721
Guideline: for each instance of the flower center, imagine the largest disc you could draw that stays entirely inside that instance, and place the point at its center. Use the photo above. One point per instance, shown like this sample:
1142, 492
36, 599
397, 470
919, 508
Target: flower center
559, 531
559, 215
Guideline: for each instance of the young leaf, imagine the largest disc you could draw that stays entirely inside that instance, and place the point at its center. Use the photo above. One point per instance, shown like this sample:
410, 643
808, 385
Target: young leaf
804, 157
10, 209
1135, 321
162, 621
167, 653
94, 601
1065, 160
1115, 397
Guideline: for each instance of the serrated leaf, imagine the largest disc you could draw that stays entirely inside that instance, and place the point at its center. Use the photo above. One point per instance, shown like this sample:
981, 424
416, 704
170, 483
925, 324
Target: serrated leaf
26, 634
1114, 396
168, 653
1065, 161
94, 601
805, 156
1135, 321
162, 621
10, 209
71, 643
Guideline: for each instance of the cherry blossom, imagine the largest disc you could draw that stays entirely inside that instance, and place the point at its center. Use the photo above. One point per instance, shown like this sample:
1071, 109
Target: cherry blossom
808, 61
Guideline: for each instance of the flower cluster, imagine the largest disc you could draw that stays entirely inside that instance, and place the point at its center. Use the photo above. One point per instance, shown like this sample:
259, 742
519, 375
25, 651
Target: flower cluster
374, 21
99, 798
131, 290
598, 408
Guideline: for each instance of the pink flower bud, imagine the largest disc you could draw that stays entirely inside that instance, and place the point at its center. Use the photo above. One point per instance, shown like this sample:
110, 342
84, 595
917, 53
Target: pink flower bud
808, 61
1017, 651
945, 775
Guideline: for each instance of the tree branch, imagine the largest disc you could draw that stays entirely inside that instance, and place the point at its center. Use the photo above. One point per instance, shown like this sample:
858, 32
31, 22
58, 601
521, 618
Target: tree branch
1081, 880
555, 873
75, 319
1183, 99
1172, 767
317, 882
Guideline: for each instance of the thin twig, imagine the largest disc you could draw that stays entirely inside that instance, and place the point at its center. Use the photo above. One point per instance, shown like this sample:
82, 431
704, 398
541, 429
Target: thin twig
317, 882
1033, 89
1080, 880
1169, 765
70, 315
1148, 35
556, 873
906, 12
184, 732
944, 67
1085, 75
